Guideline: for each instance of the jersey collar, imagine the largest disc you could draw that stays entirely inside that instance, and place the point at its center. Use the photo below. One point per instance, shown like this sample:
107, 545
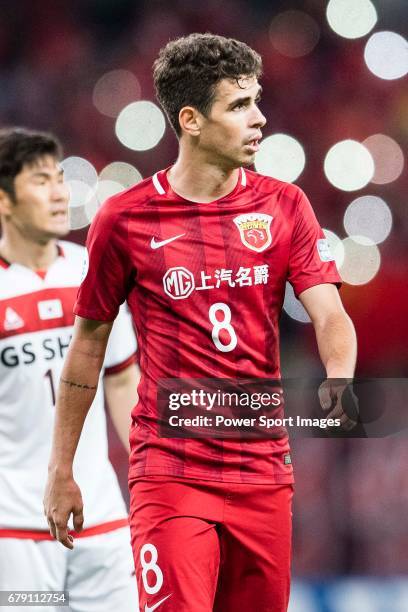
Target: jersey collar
4, 263
163, 187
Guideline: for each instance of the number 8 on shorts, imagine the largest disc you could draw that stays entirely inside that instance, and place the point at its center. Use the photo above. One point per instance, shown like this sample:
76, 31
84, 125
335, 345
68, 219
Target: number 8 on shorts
151, 566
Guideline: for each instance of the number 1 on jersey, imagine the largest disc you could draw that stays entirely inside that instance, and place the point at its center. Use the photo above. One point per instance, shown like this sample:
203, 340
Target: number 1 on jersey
48, 375
224, 324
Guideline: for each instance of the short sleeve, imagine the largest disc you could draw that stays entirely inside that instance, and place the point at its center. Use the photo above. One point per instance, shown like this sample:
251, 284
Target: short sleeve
121, 349
310, 261
107, 271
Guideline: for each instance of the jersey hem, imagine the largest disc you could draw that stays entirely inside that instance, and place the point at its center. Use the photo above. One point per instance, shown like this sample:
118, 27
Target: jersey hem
121, 366
321, 280
279, 478
93, 315
39, 534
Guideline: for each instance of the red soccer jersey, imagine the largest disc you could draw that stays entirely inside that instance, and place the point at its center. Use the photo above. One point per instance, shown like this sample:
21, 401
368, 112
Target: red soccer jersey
205, 285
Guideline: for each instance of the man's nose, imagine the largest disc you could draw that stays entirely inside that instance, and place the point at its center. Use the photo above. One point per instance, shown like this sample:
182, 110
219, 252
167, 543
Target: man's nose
258, 120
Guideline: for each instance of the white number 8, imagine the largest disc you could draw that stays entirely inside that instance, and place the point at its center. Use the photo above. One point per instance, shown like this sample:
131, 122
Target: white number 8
152, 567
224, 324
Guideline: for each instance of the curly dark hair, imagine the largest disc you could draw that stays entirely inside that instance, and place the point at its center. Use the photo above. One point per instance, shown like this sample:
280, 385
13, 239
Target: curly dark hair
18, 147
188, 69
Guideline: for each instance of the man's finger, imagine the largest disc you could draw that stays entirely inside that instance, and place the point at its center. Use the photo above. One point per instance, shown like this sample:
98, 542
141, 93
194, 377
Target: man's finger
52, 527
347, 423
337, 412
62, 534
325, 396
78, 519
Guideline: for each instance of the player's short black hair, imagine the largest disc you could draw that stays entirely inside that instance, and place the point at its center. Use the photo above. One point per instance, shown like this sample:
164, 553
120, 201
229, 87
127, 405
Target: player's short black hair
20, 147
188, 69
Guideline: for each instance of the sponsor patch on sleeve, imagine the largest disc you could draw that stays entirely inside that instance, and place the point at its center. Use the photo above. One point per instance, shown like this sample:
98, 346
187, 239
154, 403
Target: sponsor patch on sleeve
324, 250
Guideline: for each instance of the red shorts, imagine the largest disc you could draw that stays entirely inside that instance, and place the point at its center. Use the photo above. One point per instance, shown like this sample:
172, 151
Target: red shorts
202, 546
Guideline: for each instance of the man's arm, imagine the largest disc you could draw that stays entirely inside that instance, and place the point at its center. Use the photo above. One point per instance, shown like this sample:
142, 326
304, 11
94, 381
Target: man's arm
335, 334
337, 344
121, 397
77, 388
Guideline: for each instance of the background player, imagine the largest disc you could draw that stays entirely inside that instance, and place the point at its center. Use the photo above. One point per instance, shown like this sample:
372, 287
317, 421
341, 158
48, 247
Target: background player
210, 519
39, 276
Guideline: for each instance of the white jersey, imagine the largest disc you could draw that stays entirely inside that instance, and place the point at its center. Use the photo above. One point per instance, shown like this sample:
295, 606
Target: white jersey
35, 330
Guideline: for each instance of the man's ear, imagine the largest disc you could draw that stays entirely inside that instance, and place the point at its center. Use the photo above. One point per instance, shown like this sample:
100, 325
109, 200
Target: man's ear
6, 203
190, 120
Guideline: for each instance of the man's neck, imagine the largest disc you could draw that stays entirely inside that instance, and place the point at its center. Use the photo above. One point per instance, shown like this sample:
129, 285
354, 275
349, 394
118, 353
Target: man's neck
199, 180
28, 253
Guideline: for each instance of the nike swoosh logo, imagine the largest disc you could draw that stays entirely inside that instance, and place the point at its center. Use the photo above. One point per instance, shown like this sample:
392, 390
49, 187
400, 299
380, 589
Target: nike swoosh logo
159, 603
155, 244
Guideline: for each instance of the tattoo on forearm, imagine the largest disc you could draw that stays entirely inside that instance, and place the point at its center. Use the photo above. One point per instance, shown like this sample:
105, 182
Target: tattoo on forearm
74, 384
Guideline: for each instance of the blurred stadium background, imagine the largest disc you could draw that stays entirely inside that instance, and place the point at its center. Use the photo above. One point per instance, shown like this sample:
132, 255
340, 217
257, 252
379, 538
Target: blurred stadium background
336, 99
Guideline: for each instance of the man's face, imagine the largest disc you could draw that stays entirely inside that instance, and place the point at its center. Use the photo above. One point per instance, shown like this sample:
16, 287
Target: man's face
231, 132
40, 210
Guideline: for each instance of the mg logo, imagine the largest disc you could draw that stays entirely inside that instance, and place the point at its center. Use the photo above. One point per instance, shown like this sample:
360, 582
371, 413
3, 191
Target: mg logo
178, 283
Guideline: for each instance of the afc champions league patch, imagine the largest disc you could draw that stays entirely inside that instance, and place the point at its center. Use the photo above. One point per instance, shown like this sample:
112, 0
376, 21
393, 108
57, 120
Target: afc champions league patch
255, 230
85, 266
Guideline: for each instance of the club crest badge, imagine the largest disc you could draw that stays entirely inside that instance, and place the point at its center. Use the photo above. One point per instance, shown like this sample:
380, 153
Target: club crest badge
255, 230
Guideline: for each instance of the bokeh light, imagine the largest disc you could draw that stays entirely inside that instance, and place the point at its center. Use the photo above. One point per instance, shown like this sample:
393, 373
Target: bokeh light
104, 190
362, 260
140, 126
80, 196
368, 216
92, 206
280, 156
79, 193
388, 158
114, 90
294, 33
87, 193
79, 169
78, 218
386, 55
107, 189
121, 172
351, 18
336, 246
349, 165
293, 307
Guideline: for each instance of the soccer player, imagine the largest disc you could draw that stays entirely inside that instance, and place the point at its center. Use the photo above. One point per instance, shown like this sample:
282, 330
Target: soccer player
201, 251
39, 278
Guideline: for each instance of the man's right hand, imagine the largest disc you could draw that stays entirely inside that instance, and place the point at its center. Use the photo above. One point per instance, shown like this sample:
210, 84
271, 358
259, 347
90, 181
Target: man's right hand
61, 499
